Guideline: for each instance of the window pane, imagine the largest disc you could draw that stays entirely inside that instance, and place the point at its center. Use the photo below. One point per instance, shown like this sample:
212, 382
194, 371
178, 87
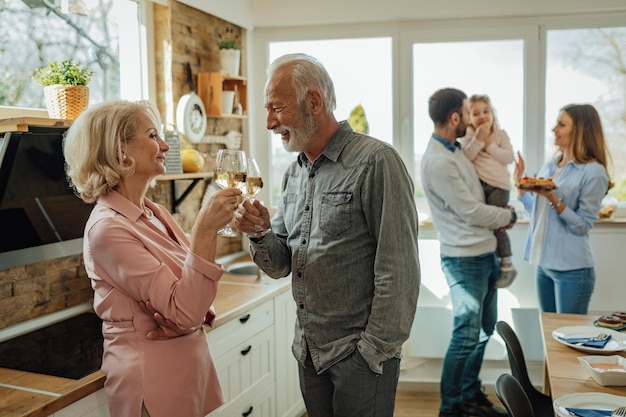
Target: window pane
36, 32
495, 68
361, 73
587, 66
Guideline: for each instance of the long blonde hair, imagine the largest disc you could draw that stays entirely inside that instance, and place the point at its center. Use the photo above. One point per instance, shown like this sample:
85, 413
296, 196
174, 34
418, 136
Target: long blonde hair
93, 146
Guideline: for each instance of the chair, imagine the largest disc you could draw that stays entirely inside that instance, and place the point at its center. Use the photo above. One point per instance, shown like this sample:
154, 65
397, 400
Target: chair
541, 403
512, 395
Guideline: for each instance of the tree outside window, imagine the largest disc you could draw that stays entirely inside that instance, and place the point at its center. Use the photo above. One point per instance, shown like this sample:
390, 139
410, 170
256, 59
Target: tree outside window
589, 66
36, 32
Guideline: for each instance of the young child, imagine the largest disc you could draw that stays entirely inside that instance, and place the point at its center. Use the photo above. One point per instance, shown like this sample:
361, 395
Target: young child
489, 148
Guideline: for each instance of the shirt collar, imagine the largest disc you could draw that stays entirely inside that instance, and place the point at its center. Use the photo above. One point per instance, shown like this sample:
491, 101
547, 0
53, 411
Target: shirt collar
334, 147
450, 146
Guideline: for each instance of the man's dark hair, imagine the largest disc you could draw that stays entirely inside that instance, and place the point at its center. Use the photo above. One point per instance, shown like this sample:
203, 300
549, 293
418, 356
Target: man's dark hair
443, 103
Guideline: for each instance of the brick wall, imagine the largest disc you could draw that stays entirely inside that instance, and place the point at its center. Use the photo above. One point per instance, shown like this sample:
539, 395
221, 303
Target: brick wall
182, 34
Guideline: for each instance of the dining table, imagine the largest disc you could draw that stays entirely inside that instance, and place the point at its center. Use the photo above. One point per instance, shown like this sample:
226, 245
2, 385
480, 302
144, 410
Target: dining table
563, 373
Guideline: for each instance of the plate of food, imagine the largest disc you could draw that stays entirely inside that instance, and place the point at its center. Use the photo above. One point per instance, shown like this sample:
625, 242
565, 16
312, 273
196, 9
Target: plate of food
590, 339
587, 401
536, 183
615, 320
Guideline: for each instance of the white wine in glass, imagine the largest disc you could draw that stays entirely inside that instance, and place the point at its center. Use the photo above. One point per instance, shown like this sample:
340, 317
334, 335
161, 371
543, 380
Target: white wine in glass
254, 184
254, 179
230, 171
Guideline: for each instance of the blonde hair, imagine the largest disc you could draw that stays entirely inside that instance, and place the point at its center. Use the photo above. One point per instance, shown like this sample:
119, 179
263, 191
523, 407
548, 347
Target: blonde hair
93, 150
485, 99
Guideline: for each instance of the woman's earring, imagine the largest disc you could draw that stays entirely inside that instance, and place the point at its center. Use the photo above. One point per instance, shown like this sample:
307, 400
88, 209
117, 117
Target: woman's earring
123, 157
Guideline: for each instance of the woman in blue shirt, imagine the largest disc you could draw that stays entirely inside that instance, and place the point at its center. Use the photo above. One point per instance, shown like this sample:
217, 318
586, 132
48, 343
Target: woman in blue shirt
558, 234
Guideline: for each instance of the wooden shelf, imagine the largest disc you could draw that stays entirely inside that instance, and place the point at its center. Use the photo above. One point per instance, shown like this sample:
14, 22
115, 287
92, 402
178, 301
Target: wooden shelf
21, 124
187, 176
210, 88
195, 179
227, 116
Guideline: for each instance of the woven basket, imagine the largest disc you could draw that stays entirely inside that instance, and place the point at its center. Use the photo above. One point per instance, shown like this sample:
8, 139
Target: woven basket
66, 101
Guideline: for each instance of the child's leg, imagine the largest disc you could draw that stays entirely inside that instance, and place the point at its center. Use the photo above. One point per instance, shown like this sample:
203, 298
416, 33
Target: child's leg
499, 197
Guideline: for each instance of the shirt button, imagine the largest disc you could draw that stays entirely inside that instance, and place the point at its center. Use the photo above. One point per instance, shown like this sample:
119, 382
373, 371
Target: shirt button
303, 241
301, 305
306, 208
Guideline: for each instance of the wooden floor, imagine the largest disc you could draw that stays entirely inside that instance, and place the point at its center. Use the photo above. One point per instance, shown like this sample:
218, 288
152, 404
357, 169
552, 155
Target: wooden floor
422, 403
415, 403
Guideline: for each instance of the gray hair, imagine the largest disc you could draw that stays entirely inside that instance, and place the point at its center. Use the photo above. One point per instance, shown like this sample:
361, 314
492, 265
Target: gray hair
307, 73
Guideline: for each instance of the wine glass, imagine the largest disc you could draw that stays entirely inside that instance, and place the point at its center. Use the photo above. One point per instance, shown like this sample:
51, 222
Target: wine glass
254, 183
230, 172
254, 179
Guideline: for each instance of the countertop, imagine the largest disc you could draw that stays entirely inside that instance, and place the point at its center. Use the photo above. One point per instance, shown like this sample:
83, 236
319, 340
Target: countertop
26, 394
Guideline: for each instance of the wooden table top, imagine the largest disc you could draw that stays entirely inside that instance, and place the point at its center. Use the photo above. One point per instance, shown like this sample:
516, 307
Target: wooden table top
564, 374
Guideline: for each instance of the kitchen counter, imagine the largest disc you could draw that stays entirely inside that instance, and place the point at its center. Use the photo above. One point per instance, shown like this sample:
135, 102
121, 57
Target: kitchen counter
26, 394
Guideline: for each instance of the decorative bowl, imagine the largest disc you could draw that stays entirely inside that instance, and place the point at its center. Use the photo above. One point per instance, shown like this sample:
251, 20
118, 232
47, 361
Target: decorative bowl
606, 370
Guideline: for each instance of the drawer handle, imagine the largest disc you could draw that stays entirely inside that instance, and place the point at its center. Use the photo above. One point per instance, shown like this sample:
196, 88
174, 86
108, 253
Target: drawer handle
244, 319
247, 413
246, 350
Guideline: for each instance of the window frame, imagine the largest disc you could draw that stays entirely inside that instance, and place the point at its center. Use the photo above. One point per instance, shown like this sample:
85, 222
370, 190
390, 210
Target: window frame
532, 30
146, 71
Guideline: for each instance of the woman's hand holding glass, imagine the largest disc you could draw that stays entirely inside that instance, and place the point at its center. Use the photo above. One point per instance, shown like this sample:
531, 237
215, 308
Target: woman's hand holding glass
230, 172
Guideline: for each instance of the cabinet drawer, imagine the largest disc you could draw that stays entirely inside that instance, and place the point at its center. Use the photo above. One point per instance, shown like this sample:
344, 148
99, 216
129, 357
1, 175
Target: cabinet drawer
231, 334
248, 367
260, 404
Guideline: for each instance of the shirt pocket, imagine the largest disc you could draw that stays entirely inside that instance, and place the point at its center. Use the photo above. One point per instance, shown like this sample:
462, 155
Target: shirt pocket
289, 210
336, 212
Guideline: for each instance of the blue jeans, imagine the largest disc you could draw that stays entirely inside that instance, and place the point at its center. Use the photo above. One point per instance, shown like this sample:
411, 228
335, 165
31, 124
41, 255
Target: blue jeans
475, 312
565, 291
349, 388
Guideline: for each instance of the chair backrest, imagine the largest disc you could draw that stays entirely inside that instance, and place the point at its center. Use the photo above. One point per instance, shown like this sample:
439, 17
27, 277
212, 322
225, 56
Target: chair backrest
513, 396
515, 354
541, 403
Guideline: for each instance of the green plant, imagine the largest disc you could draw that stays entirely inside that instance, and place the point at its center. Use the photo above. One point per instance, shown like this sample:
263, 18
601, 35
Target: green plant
228, 39
65, 73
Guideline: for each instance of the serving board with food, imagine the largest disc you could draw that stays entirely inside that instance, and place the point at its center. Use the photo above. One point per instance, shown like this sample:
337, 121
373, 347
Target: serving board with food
536, 183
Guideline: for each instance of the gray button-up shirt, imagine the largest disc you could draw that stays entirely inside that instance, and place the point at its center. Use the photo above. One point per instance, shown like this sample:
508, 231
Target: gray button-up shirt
346, 229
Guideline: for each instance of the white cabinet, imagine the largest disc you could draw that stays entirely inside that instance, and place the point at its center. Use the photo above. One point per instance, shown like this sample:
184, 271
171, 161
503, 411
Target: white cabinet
289, 402
243, 352
93, 405
257, 370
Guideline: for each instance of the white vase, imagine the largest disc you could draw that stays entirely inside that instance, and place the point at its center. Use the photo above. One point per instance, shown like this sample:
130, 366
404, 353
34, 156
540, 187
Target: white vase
229, 61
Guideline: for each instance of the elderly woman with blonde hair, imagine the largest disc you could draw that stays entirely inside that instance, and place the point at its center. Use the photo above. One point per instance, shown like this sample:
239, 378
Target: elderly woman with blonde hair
140, 262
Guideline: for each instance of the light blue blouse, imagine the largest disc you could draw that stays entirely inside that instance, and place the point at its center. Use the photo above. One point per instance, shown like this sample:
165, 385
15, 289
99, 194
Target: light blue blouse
565, 241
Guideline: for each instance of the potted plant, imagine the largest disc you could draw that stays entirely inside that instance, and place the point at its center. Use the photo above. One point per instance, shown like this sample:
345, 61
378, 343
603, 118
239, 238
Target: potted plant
230, 52
65, 88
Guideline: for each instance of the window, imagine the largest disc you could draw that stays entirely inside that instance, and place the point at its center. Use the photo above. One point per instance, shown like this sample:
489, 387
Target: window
36, 32
494, 68
361, 73
587, 66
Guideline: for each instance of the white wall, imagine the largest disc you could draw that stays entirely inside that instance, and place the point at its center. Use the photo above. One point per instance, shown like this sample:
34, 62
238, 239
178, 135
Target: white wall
237, 12
277, 13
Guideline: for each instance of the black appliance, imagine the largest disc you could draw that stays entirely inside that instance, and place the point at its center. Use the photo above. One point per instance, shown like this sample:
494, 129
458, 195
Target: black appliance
70, 349
37, 205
